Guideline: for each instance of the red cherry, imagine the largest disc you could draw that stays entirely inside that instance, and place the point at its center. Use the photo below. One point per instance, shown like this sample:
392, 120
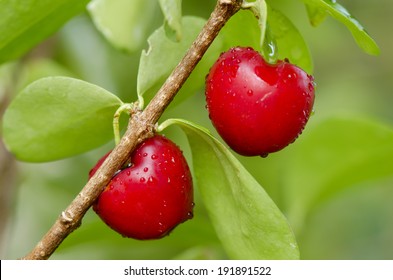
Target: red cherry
152, 196
256, 107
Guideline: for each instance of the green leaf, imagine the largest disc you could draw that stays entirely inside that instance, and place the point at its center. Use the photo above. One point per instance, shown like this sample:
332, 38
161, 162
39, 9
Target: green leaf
172, 13
123, 23
248, 223
289, 41
164, 54
58, 117
24, 24
341, 14
333, 155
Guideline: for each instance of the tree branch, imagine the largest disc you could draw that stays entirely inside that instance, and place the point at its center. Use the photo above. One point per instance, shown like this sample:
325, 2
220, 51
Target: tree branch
140, 127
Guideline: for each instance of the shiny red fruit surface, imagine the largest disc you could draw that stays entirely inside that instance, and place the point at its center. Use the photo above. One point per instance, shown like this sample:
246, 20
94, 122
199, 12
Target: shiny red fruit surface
256, 107
152, 196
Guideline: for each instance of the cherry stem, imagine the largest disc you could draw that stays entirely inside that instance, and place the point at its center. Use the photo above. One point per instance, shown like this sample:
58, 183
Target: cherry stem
140, 127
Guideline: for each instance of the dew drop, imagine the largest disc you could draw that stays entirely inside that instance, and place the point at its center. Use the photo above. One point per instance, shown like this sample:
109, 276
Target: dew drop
142, 180
144, 155
311, 86
173, 160
192, 204
145, 169
264, 155
150, 180
111, 187
250, 92
169, 180
154, 156
190, 215
128, 172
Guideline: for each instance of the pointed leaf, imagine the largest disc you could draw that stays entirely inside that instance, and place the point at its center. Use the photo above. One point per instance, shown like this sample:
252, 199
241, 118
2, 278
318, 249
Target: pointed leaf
124, 23
24, 24
248, 223
341, 14
58, 117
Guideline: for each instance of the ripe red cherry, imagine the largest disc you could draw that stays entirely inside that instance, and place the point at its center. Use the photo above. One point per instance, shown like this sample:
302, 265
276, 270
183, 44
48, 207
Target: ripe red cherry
256, 107
152, 196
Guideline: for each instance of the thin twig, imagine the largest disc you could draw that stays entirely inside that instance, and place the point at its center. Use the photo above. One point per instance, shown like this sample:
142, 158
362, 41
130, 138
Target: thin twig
140, 127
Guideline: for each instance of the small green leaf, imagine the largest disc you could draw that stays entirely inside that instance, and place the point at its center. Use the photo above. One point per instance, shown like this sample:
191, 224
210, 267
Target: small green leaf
172, 13
123, 23
333, 155
341, 14
58, 117
248, 223
164, 54
24, 24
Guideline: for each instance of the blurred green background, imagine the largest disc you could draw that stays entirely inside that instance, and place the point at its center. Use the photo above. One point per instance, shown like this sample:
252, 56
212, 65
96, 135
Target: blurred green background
353, 99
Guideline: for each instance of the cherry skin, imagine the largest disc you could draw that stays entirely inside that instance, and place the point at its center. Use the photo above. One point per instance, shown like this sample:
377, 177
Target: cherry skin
257, 108
148, 199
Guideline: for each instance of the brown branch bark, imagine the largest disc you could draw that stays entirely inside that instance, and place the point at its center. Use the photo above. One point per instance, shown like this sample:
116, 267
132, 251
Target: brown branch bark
140, 127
